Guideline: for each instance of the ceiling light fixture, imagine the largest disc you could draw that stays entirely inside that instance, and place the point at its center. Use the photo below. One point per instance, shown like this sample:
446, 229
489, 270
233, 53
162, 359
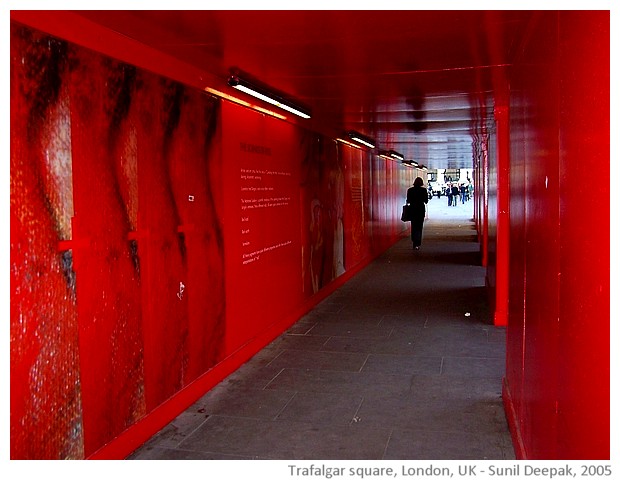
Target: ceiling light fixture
267, 96
364, 140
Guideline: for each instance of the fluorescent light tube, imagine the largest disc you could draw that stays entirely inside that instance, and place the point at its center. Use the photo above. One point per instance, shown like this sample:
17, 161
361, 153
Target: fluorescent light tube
348, 143
273, 100
238, 101
396, 155
361, 139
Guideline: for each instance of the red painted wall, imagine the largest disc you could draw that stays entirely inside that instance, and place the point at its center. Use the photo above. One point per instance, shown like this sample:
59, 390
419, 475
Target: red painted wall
533, 302
583, 380
159, 238
557, 377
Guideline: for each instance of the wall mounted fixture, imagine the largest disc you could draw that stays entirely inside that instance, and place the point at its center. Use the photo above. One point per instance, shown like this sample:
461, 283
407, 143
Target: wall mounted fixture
238, 101
341, 140
267, 96
364, 140
396, 155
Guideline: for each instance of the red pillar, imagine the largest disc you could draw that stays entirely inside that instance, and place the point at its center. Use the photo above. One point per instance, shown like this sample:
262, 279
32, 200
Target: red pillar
503, 215
484, 199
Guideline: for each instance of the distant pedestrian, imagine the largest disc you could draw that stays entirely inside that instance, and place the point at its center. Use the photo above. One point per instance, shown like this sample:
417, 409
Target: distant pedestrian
417, 198
449, 194
455, 195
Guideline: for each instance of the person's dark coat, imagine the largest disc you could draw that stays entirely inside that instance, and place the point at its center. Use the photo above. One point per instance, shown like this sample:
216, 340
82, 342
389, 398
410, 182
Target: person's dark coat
417, 198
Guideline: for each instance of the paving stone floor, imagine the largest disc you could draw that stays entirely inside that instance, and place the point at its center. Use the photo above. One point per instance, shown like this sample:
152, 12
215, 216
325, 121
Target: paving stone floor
400, 363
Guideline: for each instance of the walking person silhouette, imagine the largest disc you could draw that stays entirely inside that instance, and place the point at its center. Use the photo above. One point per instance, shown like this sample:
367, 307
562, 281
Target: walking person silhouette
417, 198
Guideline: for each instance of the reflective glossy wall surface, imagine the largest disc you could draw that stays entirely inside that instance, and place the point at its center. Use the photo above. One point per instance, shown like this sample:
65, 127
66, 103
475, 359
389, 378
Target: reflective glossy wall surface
558, 330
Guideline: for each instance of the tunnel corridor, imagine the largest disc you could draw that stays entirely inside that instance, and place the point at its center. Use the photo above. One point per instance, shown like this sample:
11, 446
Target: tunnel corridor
195, 269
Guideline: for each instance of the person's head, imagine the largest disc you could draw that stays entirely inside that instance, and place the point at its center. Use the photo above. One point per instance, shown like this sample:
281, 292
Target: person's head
418, 182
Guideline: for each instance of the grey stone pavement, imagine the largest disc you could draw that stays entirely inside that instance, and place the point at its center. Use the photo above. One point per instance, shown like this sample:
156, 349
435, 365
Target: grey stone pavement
400, 363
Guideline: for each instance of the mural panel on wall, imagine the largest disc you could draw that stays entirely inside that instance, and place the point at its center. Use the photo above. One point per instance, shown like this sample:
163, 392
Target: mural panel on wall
368, 186
354, 207
322, 211
46, 402
117, 290
183, 271
105, 262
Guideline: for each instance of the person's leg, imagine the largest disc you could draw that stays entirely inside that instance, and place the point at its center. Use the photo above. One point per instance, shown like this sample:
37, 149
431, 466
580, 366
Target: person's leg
416, 232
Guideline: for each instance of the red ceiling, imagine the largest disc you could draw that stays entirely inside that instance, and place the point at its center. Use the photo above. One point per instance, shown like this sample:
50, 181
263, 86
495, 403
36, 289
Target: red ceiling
416, 81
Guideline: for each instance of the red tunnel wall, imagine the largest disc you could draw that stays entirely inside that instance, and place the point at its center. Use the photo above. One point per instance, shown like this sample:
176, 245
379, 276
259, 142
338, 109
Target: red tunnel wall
557, 377
159, 238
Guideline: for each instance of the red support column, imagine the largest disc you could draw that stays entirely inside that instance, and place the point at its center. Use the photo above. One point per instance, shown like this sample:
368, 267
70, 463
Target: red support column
503, 215
484, 203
